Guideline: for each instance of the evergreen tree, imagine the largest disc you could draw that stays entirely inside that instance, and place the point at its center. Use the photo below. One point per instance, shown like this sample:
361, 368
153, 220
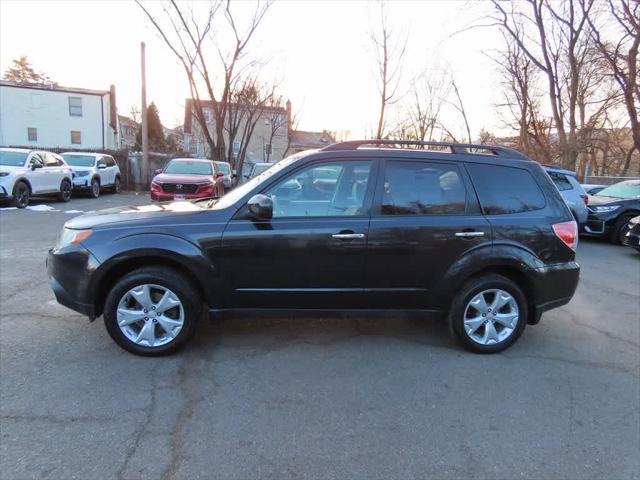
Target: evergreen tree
157, 141
23, 72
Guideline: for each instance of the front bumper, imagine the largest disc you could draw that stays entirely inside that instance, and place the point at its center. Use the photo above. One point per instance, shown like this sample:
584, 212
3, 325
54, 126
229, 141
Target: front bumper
632, 237
81, 182
553, 286
4, 194
70, 271
163, 196
600, 224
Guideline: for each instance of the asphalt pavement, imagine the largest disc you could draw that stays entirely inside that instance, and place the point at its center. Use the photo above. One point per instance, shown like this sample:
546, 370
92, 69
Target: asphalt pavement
325, 398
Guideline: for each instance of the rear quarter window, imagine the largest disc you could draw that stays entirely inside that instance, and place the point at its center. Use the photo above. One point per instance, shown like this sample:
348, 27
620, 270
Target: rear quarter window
502, 190
561, 181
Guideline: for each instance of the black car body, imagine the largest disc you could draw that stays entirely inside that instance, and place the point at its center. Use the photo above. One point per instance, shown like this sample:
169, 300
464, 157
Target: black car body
632, 235
611, 209
395, 229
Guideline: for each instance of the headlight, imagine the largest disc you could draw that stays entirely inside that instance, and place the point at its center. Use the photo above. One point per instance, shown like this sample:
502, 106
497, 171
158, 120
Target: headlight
4, 174
605, 208
70, 236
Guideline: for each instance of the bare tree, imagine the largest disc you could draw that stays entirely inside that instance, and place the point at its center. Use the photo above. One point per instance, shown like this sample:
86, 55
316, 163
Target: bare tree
190, 37
427, 96
622, 57
277, 117
389, 49
555, 38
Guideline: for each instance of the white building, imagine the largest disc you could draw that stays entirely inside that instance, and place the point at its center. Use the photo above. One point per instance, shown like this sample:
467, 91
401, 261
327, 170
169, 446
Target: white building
51, 116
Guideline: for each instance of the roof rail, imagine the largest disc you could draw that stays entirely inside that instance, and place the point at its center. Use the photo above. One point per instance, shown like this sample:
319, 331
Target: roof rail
461, 148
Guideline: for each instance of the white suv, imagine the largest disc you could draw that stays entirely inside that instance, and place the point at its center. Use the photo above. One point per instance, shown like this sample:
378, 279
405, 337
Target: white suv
93, 171
25, 172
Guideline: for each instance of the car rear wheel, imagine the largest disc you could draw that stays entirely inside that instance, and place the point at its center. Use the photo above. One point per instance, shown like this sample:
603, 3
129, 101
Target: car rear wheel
152, 311
489, 313
116, 185
95, 188
65, 191
21, 195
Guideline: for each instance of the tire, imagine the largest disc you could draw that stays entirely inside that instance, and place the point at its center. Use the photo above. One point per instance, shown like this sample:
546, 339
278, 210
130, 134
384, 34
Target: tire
462, 309
94, 191
620, 229
65, 191
21, 195
158, 278
116, 185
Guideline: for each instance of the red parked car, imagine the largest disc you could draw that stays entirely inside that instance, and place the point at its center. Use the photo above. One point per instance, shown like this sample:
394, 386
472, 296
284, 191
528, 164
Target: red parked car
187, 178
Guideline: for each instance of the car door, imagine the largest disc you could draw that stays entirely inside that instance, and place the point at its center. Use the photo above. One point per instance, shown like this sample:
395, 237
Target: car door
110, 170
37, 176
424, 218
53, 172
311, 254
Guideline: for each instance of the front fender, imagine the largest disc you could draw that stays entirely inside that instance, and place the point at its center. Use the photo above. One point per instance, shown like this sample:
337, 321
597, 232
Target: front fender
141, 249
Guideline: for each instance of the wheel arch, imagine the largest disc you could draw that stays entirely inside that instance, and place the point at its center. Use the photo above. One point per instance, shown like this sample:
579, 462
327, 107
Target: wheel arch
119, 268
24, 180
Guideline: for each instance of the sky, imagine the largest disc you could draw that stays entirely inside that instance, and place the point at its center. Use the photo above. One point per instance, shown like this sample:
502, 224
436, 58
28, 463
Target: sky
320, 52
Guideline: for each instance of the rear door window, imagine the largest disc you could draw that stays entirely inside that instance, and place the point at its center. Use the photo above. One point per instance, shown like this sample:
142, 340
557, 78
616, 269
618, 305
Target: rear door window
422, 188
504, 190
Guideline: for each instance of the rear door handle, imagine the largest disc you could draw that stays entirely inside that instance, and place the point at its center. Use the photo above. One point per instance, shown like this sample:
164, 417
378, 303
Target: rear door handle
347, 236
469, 234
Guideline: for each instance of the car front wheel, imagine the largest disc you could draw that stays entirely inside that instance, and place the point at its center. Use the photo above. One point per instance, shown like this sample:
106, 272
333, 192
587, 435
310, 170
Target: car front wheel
95, 188
489, 313
65, 191
152, 311
21, 195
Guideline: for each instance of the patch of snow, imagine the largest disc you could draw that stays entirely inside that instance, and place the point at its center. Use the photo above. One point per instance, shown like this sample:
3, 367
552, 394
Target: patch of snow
41, 208
9, 208
74, 211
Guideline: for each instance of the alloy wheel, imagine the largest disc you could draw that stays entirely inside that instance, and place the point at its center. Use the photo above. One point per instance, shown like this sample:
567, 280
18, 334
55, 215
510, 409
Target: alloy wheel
66, 192
22, 196
150, 315
491, 317
95, 188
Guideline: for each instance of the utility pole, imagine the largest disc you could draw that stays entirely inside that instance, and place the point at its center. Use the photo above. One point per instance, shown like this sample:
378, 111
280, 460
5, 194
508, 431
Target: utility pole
145, 126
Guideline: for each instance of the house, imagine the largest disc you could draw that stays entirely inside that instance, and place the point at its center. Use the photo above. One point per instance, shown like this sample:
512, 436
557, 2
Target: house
269, 139
301, 140
128, 130
46, 116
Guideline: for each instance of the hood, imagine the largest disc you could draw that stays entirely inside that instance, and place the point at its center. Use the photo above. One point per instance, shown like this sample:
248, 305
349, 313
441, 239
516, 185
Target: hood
181, 178
11, 168
604, 200
127, 214
80, 169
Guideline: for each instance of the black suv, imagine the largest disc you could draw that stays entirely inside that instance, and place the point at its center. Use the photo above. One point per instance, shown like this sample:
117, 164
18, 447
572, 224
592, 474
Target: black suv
475, 234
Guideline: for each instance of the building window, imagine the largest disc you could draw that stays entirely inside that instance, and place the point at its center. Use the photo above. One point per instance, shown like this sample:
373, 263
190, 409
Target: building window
32, 134
208, 116
236, 148
75, 106
35, 100
76, 138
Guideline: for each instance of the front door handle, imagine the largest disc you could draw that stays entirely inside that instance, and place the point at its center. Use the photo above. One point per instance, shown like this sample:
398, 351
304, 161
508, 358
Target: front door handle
469, 234
347, 236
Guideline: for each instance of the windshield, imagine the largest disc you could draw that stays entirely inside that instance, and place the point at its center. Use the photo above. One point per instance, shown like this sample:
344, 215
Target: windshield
237, 193
185, 167
13, 159
80, 160
628, 189
224, 167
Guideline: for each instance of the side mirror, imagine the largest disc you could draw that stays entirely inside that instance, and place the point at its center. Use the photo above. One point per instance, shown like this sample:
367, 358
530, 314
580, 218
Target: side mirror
260, 207
158, 171
35, 165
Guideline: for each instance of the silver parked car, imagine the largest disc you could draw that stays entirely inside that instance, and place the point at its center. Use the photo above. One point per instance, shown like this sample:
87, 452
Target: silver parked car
93, 172
228, 178
571, 191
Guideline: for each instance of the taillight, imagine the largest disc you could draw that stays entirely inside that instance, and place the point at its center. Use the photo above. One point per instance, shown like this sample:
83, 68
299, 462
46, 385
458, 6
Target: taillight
585, 199
567, 232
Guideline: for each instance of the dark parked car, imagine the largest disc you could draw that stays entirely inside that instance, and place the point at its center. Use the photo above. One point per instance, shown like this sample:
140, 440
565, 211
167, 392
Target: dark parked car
187, 179
477, 235
611, 209
632, 235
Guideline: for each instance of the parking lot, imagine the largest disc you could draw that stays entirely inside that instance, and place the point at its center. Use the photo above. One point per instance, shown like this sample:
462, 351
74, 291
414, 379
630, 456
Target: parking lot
314, 398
